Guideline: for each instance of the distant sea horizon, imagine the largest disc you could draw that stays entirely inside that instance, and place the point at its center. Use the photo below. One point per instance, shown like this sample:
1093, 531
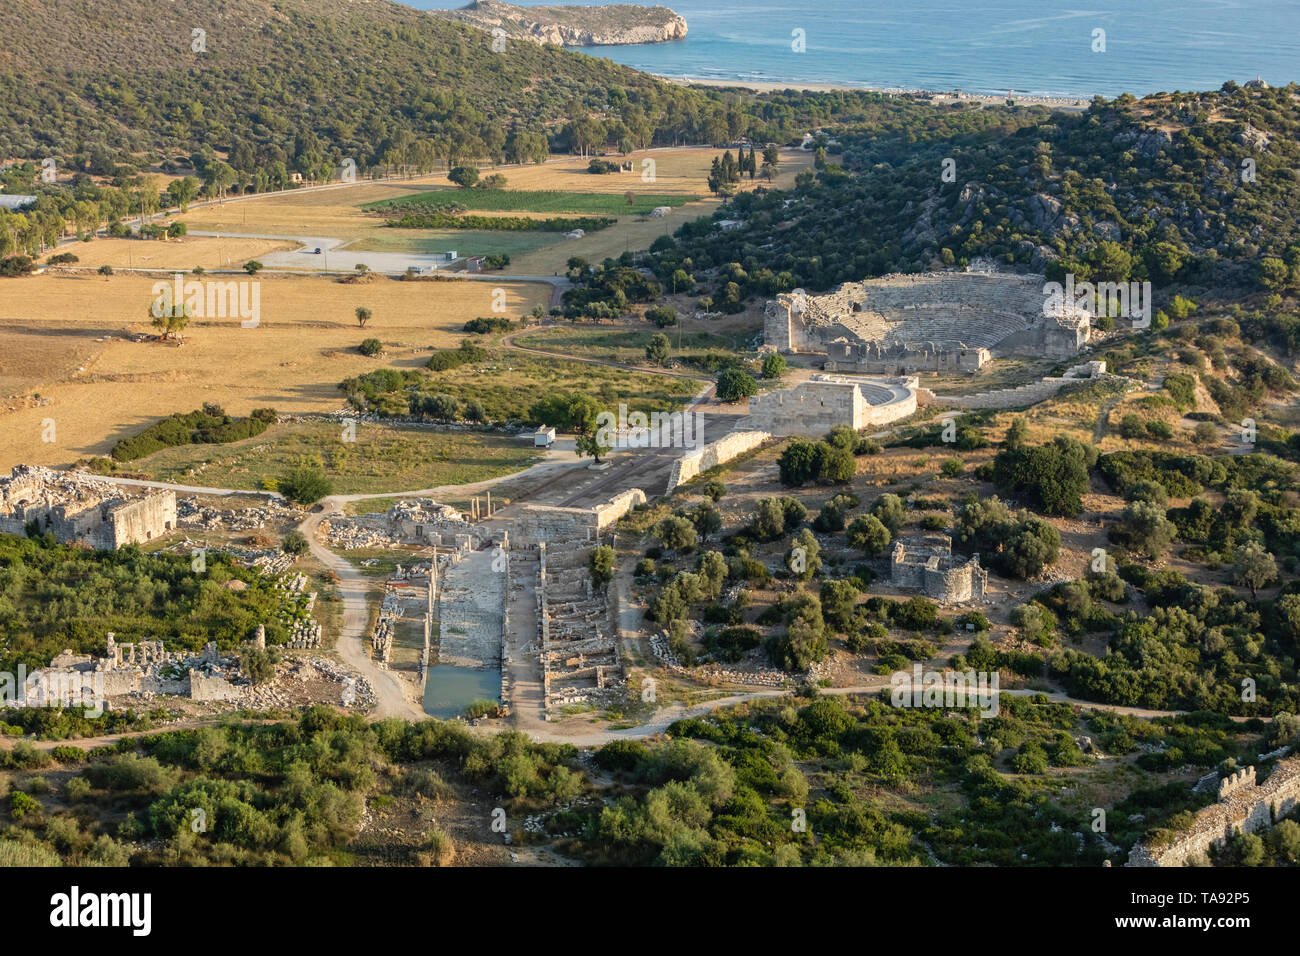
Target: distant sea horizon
983, 47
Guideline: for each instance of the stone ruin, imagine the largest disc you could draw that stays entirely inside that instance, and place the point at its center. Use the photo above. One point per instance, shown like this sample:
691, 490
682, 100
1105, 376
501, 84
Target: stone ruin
812, 407
1244, 806
148, 668
81, 509
144, 668
1030, 393
539, 523
418, 521
928, 565
191, 514
296, 612
928, 322
578, 629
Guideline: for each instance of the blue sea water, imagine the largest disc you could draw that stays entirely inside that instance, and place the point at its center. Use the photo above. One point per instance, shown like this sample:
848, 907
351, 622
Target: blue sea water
979, 46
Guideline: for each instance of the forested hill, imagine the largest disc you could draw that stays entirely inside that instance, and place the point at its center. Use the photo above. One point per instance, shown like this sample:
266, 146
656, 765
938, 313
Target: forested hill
356, 78
1189, 188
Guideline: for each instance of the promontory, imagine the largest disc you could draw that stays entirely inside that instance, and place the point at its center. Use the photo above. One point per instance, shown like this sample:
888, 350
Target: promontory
573, 25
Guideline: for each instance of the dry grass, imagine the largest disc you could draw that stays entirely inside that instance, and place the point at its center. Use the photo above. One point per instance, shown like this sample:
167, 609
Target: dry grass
184, 253
67, 339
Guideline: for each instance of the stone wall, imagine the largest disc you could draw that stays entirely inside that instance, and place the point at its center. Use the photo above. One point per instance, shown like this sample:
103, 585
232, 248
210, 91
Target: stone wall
82, 508
1244, 806
700, 460
1030, 393
812, 407
538, 523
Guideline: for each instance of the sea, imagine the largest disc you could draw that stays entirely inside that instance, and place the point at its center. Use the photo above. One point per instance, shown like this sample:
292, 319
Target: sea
1030, 47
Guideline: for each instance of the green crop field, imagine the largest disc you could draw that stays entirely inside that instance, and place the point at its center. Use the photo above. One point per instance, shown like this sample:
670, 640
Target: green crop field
515, 200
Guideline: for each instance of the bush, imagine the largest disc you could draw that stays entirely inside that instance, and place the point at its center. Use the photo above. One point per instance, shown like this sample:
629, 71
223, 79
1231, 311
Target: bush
208, 425
295, 542
734, 384
868, 534
370, 347
819, 462
602, 564
713, 489
915, 614
305, 485
484, 325
13, 266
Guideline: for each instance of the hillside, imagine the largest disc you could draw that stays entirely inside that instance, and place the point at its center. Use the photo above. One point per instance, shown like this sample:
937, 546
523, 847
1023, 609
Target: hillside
1201, 188
352, 76
574, 25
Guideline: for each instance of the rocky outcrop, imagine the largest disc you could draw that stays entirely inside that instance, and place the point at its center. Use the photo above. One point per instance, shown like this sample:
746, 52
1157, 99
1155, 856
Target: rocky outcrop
574, 25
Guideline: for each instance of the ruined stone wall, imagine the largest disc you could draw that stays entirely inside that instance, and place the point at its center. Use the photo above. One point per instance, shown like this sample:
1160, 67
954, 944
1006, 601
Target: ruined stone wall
933, 571
812, 407
138, 520
700, 460
82, 508
538, 523
202, 687
1243, 807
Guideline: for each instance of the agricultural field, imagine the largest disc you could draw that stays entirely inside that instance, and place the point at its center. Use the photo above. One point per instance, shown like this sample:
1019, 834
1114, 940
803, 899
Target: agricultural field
351, 212
382, 458
541, 202
467, 242
183, 253
78, 353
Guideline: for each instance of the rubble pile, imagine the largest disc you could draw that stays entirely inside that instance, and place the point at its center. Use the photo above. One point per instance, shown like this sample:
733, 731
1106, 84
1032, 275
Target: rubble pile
190, 513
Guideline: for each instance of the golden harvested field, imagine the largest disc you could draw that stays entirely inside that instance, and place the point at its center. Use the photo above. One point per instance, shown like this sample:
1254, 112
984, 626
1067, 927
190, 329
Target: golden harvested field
210, 252
66, 339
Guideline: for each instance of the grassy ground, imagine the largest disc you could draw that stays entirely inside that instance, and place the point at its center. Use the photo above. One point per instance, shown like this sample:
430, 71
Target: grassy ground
627, 343
382, 458
67, 340
513, 382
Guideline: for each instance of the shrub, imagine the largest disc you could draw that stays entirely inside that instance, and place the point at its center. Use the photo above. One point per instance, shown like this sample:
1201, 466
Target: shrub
305, 485
370, 347
734, 384
602, 564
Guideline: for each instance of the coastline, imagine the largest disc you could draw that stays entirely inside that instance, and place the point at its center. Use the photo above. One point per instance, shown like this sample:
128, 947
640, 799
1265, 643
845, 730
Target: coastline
935, 96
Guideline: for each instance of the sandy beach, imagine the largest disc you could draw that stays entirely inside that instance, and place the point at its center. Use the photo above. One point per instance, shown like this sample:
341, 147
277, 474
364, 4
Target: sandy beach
935, 96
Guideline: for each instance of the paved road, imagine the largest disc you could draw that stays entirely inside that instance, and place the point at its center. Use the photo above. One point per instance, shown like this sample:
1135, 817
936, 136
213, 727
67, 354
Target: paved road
334, 256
